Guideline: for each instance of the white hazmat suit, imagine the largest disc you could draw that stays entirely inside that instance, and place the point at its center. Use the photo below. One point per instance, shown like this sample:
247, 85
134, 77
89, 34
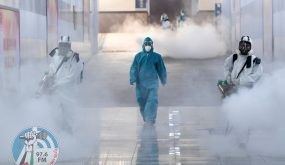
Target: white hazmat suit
65, 67
165, 23
70, 71
243, 69
65, 72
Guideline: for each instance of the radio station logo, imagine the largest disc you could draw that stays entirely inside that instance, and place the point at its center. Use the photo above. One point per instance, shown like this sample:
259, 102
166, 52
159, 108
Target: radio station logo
35, 146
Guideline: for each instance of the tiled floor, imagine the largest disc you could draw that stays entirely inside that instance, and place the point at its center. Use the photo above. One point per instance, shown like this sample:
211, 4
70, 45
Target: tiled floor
182, 135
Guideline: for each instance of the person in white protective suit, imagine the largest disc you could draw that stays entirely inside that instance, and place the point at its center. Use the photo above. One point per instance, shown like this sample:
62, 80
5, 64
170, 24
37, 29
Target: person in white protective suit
65, 72
165, 23
242, 69
65, 69
71, 70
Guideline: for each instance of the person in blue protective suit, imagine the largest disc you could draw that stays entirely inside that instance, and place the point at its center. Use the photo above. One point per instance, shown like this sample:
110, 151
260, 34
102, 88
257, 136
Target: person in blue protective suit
181, 18
145, 71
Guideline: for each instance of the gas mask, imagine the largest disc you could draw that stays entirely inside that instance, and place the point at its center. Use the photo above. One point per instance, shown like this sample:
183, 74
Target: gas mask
64, 45
244, 47
64, 48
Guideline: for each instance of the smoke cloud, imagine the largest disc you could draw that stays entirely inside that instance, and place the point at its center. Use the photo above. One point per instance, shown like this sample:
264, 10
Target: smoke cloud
76, 134
190, 40
256, 117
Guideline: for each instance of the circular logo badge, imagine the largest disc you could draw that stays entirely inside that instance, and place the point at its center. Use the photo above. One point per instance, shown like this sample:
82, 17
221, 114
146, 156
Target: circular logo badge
35, 146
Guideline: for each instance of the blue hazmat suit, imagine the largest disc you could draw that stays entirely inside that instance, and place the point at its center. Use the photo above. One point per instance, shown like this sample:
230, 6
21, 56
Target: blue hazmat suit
146, 68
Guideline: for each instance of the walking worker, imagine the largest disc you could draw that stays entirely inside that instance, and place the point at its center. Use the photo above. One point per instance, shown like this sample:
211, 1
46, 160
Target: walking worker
146, 70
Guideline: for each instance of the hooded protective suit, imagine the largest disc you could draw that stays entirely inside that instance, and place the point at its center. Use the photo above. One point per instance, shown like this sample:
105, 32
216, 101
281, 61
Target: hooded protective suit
65, 69
145, 71
181, 18
165, 23
70, 71
243, 69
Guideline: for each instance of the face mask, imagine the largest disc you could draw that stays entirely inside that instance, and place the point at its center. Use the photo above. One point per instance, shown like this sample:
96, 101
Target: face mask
147, 48
244, 47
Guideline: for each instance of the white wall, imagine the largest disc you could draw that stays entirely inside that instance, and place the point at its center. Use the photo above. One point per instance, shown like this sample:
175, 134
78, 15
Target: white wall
33, 35
268, 28
231, 12
206, 5
263, 20
252, 23
279, 29
33, 29
9, 49
94, 27
194, 6
117, 5
70, 23
10, 3
32, 25
67, 28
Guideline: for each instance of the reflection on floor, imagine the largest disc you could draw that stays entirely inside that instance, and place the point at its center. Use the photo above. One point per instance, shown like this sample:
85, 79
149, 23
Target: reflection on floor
182, 135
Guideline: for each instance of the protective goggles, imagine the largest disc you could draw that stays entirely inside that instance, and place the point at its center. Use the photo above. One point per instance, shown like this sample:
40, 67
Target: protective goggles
148, 44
